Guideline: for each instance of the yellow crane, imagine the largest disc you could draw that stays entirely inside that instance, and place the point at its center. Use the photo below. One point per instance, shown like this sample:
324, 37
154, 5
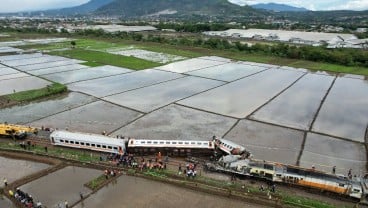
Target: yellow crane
16, 131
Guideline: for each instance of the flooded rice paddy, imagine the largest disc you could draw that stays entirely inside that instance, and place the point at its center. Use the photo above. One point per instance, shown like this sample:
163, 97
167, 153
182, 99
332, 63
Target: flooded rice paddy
272, 110
149, 98
345, 111
147, 55
86, 74
240, 98
190, 65
227, 72
268, 142
297, 106
64, 184
105, 117
129, 191
13, 169
177, 122
9, 86
37, 110
120, 83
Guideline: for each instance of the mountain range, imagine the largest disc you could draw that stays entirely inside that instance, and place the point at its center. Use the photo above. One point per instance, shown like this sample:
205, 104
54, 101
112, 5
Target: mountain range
279, 7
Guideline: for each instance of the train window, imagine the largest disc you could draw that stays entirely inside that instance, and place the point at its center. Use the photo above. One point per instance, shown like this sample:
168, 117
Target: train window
115, 148
180, 142
356, 190
76, 142
143, 142
82, 143
162, 142
199, 143
99, 145
61, 140
341, 184
173, 142
71, 142
149, 142
104, 146
186, 142
87, 144
155, 142
66, 141
167, 142
93, 145
110, 147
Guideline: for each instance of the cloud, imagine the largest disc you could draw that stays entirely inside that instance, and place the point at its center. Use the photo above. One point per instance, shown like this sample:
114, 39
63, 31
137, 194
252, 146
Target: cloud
32, 5
314, 4
351, 5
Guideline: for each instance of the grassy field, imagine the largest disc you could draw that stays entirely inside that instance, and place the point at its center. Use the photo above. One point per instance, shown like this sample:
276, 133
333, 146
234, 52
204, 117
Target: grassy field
30, 95
106, 58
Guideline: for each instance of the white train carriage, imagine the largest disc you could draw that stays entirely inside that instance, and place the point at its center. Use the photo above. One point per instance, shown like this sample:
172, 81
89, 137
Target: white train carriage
174, 147
230, 147
95, 142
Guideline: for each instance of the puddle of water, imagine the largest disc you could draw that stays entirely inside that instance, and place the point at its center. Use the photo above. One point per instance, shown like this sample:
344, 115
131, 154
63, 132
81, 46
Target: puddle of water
6, 203
21, 84
138, 192
152, 97
85, 74
49, 64
13, 76
121, 83
95, 117
324, 152
267, 142
13, 169
242, 97
7, 49
34, 60
216, 58
177, 122
6, 71
57, 69
147, 55
64, 184
297, 106
190, 65
37, 110
227, 72
344, 112
22, 56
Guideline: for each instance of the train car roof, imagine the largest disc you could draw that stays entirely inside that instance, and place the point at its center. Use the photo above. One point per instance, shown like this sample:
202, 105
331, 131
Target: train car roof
230, 142
87, 137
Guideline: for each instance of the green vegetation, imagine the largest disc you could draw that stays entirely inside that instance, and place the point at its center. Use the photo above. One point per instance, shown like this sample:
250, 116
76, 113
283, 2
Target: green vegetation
96, 183
30, 95
107, 59
297, 201
70, 154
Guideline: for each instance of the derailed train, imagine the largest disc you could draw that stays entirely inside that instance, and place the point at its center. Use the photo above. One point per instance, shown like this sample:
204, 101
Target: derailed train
236, 160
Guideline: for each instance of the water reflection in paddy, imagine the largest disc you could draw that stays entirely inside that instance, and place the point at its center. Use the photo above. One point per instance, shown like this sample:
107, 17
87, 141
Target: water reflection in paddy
13, 169
64, 184
242, 97
37, 110
130, 191
345, 110
297, 106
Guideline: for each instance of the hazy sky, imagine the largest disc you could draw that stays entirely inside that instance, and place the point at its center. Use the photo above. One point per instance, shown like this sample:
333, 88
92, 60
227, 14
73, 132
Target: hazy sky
27, 5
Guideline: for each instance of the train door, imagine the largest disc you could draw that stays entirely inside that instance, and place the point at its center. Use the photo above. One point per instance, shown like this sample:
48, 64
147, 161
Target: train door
52, 140
121, 152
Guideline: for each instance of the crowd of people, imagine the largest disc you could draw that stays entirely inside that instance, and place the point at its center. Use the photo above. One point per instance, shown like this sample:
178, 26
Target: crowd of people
25, 199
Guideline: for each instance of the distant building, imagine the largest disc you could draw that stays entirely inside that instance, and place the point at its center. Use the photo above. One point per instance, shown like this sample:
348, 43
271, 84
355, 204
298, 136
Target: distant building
296, 37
